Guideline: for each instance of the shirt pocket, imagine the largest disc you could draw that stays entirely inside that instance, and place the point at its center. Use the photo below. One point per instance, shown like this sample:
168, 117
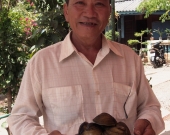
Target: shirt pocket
67, 105
125, 101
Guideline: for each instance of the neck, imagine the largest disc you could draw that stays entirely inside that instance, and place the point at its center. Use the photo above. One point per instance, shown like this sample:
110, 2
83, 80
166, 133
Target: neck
89, 47
81, 44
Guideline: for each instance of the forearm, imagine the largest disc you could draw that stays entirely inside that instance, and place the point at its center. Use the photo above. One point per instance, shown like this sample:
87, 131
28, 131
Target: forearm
148, 104
153, 115
24, 118
25, 125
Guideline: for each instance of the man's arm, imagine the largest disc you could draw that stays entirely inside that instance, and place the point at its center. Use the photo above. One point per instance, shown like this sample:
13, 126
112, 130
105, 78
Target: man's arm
143, 127
24, 119
148, 105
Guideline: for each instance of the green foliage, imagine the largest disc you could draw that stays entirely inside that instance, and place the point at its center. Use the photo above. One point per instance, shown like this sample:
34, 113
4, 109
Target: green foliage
138, 34
150, 6
133, 42
11, 39
23, 25
4, 124
52, 26
167, 31
15, 28
158, 31
108, 35
149, 32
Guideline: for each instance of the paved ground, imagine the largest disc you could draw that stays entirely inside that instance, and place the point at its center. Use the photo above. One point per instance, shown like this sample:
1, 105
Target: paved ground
161, 87
161, 82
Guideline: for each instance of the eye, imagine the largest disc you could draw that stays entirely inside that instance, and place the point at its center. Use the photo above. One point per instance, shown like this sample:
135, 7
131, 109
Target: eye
99, 4
79, 3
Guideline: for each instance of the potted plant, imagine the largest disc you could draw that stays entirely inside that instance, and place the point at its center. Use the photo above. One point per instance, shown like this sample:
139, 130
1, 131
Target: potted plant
140, 41
149, 32
160, 32
168, 33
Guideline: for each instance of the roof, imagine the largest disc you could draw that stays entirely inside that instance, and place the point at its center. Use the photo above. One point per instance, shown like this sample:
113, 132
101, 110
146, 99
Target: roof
127, 6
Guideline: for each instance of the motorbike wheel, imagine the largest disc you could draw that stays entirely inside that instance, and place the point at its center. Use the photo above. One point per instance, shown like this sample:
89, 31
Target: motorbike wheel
164, 61
158, 64
154, 65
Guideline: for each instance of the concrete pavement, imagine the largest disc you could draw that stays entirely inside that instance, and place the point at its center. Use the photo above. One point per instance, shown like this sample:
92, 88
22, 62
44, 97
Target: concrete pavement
2, 130
160, 75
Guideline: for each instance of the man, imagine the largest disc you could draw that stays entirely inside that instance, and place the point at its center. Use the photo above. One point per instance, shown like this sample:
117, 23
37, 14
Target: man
76, 79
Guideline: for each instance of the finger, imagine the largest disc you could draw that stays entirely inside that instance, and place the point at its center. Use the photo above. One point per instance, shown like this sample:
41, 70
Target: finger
149, 130
55, 132
140, 126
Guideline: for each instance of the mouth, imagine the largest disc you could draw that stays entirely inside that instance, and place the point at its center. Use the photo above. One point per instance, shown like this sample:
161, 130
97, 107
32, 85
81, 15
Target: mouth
89, 24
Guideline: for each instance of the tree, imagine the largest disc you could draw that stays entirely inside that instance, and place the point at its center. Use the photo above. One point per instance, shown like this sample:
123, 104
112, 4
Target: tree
14, 30
26, 24
133, 42
150, 6
52, 26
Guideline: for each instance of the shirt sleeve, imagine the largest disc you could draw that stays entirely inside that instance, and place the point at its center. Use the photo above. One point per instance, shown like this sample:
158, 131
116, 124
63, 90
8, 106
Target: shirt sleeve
24, 118
148, 104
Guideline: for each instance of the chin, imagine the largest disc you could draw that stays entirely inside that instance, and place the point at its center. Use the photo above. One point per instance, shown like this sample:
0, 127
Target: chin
90, 34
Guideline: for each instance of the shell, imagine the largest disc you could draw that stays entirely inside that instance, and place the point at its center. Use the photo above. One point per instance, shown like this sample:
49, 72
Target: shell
105, 119
119, 129
90, 129
122, 125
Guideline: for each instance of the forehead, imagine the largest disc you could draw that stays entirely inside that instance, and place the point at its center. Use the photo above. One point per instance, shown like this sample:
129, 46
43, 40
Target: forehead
105, 1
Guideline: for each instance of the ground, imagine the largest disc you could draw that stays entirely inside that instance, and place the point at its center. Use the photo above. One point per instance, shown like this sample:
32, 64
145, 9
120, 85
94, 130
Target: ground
162, 92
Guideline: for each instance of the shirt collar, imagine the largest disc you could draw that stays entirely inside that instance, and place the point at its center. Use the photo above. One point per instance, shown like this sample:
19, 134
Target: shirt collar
67, 47
111, 45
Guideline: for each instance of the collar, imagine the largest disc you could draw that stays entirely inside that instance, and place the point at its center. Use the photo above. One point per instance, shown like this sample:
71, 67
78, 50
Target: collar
67, 47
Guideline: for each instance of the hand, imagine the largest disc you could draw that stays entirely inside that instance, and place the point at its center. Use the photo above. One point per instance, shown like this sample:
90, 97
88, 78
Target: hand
55, 132
143, 127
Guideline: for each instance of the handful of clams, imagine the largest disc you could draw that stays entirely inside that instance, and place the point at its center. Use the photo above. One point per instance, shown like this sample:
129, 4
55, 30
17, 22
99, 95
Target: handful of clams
104, 124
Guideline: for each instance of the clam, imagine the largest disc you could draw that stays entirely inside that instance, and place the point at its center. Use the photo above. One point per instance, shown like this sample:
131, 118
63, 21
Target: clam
119, 129
90, 129
110, 125
104, 124
124, 127
105, 119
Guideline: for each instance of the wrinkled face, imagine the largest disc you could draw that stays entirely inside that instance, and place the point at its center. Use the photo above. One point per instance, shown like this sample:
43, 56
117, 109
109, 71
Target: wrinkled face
87, 18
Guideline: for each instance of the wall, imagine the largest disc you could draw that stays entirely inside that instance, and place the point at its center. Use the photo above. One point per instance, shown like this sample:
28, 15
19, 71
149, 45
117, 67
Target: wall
161, 26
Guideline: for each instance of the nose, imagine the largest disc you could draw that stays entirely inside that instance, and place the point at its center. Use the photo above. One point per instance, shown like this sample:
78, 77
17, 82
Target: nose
90, 11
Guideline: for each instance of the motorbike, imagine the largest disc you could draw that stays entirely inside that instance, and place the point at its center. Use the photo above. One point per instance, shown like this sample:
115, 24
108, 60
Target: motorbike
157, 58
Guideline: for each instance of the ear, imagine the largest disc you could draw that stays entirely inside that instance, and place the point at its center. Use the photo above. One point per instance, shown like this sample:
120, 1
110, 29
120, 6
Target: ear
65, 8
110, 7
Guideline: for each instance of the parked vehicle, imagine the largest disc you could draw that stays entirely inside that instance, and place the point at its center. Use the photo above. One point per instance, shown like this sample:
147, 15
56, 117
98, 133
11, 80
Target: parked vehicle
157, 58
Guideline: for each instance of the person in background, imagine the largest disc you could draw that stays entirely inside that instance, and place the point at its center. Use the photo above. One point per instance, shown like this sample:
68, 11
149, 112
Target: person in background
82, 76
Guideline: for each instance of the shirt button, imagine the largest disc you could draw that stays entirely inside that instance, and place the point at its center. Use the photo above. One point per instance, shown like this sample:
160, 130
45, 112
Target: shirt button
97, 93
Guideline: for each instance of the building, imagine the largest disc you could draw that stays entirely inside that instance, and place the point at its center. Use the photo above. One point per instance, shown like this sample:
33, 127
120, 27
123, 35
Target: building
131, 21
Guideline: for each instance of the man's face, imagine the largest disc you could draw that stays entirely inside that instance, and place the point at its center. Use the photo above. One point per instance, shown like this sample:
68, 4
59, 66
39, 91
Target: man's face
87, 18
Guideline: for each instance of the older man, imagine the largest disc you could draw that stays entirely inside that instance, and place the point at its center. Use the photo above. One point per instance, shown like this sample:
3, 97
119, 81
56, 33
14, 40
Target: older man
84, 75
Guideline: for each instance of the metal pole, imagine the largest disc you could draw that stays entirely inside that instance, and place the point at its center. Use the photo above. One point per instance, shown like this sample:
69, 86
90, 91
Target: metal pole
0, 4
113, 19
